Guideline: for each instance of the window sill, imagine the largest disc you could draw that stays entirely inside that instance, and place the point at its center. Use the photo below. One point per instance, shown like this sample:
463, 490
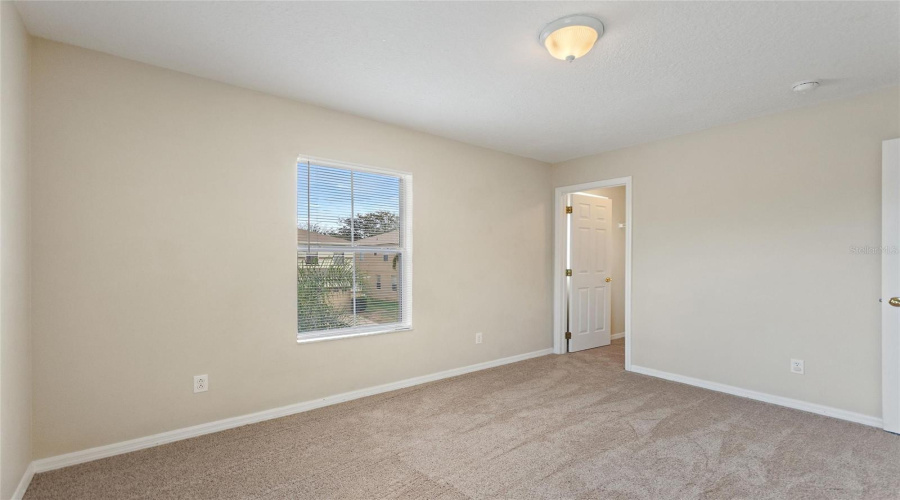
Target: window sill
346, 334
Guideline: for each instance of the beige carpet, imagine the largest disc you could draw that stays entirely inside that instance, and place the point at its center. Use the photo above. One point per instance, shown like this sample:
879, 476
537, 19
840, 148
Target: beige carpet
574, 426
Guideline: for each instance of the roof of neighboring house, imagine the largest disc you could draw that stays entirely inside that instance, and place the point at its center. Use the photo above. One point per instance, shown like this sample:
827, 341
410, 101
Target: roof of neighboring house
388, 238
304, 236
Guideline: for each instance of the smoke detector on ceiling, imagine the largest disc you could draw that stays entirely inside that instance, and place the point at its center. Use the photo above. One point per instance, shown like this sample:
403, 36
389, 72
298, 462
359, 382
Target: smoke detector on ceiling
805, 86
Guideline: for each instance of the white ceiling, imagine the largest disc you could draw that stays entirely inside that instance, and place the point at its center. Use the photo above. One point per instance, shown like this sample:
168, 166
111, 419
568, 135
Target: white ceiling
475, 72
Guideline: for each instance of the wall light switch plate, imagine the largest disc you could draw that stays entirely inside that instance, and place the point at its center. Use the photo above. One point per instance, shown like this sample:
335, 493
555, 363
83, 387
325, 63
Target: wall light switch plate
201, 383
797, 366
478, 338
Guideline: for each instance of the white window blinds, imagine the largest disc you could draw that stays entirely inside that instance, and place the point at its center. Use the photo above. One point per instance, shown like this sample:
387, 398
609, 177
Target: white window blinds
353, 234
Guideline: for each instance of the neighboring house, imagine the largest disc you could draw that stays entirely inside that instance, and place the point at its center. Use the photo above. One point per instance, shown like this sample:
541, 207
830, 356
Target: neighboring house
381, 270
378, 273
306, 238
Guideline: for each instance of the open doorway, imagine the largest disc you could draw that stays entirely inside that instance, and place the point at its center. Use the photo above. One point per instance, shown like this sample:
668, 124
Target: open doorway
592, 267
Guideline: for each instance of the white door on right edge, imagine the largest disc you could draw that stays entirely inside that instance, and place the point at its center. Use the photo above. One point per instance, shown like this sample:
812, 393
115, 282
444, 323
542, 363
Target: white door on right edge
890, 285
590, 245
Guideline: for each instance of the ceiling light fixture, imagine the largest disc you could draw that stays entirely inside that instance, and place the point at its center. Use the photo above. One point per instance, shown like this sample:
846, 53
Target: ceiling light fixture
571, 37
805, 86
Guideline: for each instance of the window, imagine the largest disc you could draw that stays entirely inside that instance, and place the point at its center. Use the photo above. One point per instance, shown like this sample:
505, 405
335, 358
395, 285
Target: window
346, 213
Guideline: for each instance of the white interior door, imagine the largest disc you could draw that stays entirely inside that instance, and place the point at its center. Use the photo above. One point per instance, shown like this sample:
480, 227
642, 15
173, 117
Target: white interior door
590, 244
890, 284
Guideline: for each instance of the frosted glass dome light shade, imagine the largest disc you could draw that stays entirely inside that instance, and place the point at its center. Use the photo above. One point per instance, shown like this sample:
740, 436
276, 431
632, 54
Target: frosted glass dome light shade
571, 37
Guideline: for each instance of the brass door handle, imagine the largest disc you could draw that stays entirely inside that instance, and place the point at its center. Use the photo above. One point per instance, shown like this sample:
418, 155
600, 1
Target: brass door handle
895, 301
610, 279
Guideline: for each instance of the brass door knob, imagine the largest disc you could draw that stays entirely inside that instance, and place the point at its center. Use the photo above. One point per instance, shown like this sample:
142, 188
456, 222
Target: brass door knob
610, 279
895, 301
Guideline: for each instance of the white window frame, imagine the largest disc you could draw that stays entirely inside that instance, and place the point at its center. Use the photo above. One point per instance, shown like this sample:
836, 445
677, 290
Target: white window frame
406, 249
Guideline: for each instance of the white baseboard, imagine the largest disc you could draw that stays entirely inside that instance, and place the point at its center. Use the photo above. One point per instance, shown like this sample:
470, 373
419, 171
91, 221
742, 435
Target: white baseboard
77, 457
617, 336
23, 484
796, 404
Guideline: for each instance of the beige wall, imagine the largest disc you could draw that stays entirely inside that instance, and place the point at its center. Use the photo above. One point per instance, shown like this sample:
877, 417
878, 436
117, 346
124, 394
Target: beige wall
742, 256
15, 259
165, 246
616, 196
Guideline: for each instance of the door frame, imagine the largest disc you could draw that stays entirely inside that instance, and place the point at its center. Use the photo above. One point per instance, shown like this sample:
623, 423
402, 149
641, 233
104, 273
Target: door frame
559, 259
890, 286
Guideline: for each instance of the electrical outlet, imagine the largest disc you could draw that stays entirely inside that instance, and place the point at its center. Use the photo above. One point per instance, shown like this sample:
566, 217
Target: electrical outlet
201, 383
478, 338
797, 366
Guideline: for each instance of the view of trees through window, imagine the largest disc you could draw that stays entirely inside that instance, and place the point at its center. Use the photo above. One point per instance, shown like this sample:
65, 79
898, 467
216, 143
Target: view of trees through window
349, 233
